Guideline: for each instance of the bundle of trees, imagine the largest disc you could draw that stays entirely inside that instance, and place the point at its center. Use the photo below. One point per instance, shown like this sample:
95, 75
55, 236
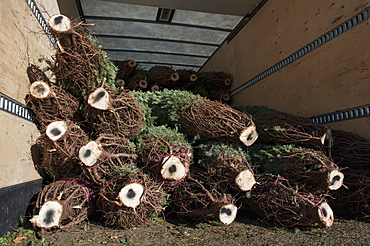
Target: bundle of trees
213, 85
132, 155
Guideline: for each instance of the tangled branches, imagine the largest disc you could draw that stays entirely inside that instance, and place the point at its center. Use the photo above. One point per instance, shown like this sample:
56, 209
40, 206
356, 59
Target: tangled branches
214, 120
274, 199
50, 103
114, 111
62, 204
131, 200
283, 128
106, 157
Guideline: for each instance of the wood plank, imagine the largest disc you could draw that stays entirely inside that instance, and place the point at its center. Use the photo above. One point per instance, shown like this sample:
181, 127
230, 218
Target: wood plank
333, 77
22, 41
330, 78
280, 28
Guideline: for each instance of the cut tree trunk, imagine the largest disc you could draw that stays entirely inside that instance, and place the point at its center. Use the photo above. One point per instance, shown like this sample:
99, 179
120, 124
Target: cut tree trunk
214, 120
106, 157
165, 77
50, 103
273, 199
165, 154
131, 200
165, 160
192, 201
275, 127
187, 79
354, 199
113, 111
300, 165
59, 146
137, 84
221, 95
215, 80
126, 69
63, 204
224, 167
77, 59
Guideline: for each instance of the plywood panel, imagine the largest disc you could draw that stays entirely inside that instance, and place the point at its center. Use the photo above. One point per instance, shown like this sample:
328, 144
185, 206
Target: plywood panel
22, 41
17, 137
280, 28
330, 78
333, 77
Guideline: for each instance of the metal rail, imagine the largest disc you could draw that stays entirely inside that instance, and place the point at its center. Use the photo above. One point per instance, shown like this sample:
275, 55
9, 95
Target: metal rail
13, 107
35, 10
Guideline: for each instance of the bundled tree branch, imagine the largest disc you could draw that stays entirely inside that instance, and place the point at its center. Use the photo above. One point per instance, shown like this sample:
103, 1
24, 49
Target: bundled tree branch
131, 200
279, 127
63, 204
307, 167
107, 157
273, 199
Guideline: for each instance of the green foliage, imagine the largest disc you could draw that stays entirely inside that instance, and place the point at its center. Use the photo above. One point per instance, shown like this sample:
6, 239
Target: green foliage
274, 158
23, 237
123, 170
165, 105
173, 136
143, 99
212, 148
279, 129
106, 69
269, 158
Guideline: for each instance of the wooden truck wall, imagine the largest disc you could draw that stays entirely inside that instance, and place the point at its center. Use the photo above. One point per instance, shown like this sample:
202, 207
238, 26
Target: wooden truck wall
308, 58
22, 42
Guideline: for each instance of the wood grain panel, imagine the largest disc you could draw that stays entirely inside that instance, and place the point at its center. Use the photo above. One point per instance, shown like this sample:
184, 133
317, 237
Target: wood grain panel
22, 41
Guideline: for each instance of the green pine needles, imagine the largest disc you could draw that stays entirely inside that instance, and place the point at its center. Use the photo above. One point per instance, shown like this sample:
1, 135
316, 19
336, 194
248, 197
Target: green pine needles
164, 105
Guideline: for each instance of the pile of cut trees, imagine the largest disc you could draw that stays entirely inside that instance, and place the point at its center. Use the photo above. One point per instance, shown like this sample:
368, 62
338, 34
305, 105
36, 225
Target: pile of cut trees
131, 155
211, 85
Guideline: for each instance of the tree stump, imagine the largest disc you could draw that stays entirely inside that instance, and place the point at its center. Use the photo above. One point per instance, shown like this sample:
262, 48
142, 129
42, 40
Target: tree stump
63, 204
106, 157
